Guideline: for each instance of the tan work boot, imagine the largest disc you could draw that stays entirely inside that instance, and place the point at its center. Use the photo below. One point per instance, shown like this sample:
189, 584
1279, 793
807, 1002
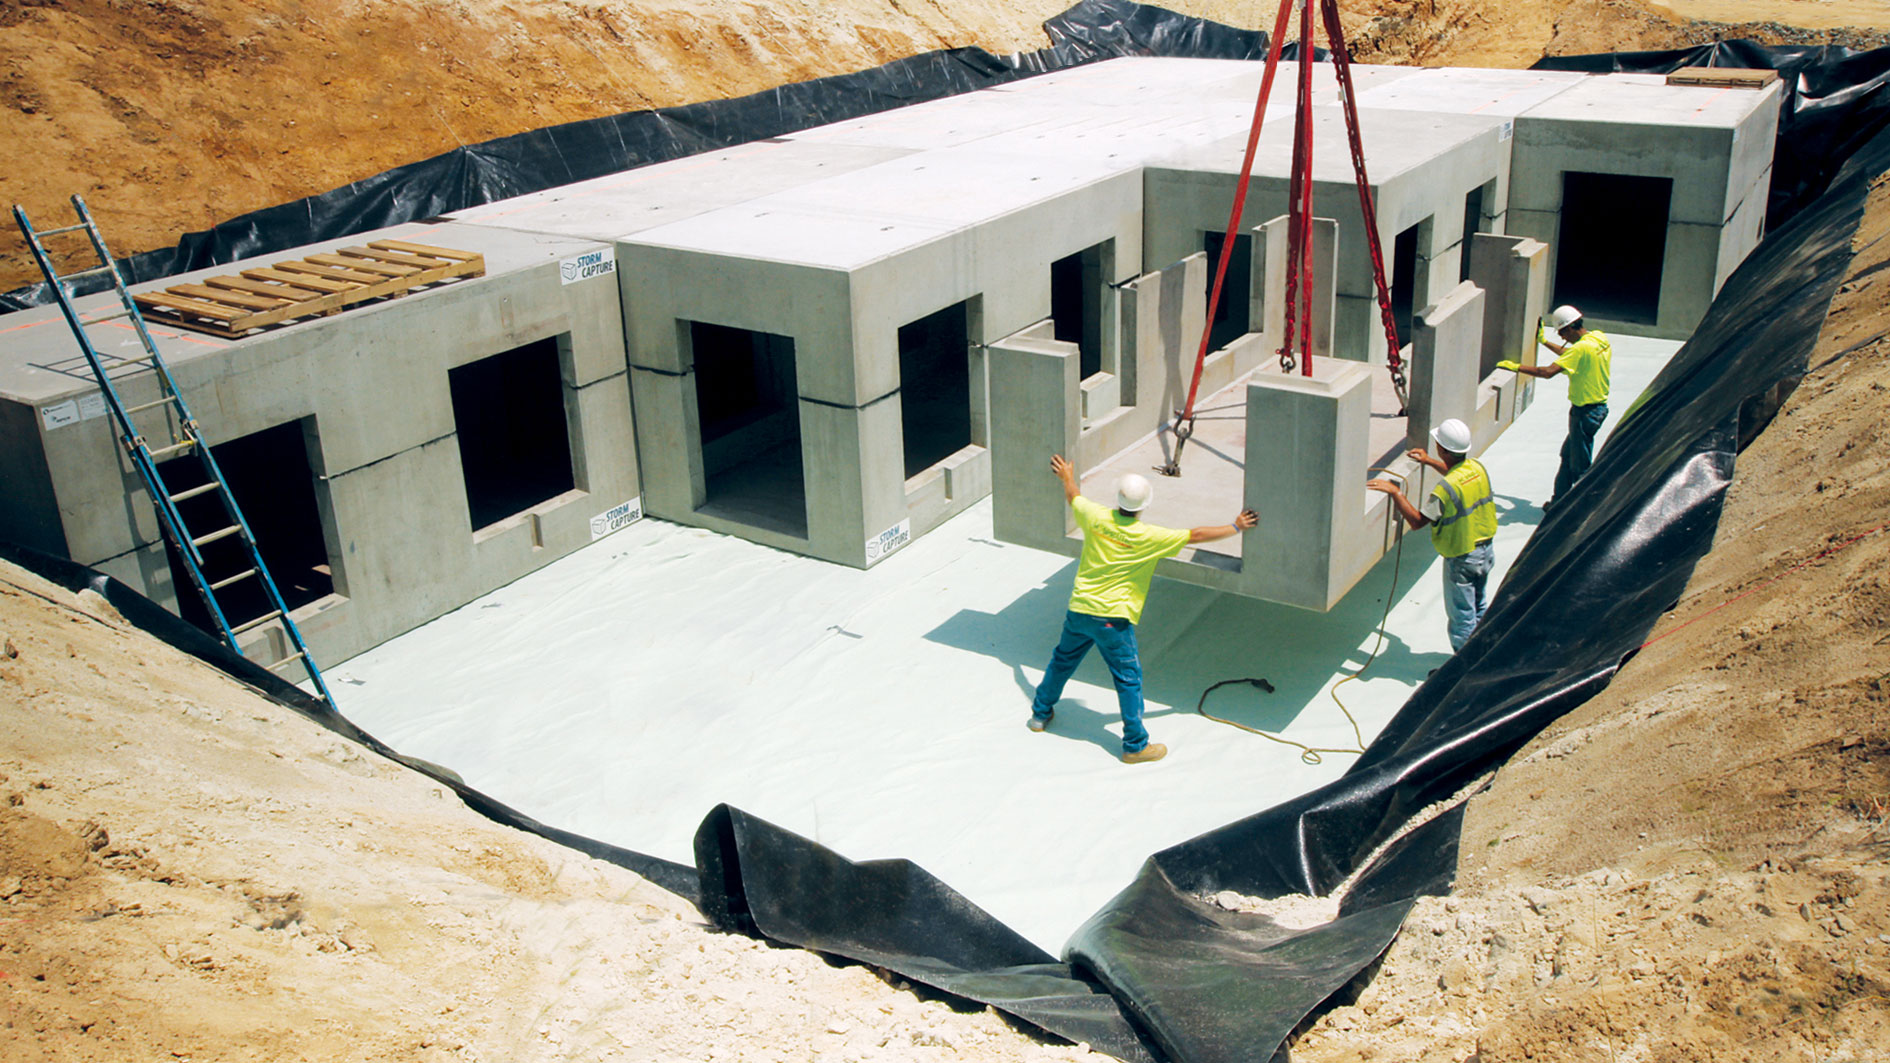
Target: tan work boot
1148, 754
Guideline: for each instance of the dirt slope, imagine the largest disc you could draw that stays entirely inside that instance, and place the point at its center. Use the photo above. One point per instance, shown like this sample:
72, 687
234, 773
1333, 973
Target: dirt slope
1692, 865
189, 871
171, 115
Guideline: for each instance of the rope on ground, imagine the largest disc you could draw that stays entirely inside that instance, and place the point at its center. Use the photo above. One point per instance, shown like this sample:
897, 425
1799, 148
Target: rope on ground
1311, 754
1827, 552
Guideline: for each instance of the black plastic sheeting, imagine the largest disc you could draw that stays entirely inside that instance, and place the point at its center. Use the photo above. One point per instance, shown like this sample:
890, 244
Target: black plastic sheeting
467, 177
1159, 973
1579, 601
1835, 100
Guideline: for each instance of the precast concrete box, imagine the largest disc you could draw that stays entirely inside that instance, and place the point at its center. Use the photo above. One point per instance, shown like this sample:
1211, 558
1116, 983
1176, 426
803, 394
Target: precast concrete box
1428, 173
396, 459
808, 367
1649, 194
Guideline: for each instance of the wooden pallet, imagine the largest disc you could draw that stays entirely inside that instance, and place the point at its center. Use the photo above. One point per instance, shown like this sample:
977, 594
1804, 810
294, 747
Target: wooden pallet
1724, 77
235, 306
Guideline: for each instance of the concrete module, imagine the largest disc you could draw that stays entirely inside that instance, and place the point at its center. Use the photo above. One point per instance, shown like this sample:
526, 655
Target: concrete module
832, 341
379, 453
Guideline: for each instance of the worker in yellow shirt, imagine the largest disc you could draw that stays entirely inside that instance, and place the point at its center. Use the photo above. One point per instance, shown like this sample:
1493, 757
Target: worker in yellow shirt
1112, 578
1461, 513
1587, 357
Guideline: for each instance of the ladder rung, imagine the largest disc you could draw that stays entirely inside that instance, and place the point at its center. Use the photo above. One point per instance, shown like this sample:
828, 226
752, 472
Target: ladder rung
82, 274
175, 448
290, 659
115, 315
62, 230
238, 578
166, 400
256, 623
224, 533
202, 489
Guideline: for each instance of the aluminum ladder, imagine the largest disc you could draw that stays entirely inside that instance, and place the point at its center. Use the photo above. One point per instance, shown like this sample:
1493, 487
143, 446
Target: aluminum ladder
181, 436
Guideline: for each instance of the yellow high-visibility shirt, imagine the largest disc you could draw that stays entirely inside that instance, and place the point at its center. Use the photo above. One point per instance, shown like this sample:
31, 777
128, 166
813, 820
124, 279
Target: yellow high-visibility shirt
1587, 362
1462, 509
1118, 560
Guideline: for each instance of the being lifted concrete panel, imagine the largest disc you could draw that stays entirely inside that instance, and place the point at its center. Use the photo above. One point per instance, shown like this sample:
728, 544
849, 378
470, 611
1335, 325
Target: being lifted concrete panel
370, 387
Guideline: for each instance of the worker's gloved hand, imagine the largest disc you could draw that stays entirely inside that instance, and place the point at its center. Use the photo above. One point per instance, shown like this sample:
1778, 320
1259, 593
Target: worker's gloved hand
1511, 366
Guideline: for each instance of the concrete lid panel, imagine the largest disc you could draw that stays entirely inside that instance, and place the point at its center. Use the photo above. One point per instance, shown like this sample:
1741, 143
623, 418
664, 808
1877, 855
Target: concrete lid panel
1647, 100
859, 218
1494, 93
1395, 141
40, 360
606, 208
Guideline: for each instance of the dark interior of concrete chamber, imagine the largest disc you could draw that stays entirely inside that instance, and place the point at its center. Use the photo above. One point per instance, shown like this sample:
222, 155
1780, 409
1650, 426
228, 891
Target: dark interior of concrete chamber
269, 475
1472, 222
1231, 315
1404, 280
514, 443
1612, 243
749, 420
935, 387
1078, 286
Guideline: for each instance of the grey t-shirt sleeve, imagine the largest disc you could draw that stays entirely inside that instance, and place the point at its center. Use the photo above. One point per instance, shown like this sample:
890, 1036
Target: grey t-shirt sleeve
1432, 507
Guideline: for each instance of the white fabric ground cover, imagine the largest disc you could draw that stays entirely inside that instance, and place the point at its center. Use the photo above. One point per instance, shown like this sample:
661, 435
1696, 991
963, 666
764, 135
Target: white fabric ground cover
625, 690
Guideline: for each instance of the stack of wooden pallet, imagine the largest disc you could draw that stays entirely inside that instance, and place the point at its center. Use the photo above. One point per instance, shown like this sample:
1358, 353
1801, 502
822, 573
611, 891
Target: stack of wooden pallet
235, 306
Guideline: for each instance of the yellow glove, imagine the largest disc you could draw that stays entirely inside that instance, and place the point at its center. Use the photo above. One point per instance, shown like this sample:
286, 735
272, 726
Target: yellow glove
1511, 366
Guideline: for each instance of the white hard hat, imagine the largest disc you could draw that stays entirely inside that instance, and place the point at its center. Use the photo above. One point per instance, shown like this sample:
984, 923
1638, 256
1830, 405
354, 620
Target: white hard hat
1453, 435
1563, 317
1134, 493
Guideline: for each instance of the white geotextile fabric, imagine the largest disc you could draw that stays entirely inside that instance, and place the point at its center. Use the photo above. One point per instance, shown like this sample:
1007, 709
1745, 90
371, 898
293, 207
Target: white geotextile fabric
625, 690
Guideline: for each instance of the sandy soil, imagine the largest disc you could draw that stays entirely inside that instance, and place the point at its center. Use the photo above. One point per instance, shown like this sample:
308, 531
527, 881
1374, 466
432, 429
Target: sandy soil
1692, 865
190, 871
171, 115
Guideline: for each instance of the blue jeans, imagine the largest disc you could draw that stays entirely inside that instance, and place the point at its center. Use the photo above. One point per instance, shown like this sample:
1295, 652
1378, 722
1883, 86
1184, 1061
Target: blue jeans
1578, 450
1115, 638
1464, 600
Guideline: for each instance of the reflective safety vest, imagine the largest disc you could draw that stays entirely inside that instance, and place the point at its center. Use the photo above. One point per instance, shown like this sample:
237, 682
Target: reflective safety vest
1469, 508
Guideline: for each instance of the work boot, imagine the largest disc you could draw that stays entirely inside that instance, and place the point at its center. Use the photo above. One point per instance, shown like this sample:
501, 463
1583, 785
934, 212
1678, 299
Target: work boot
1038, 723
1148, 754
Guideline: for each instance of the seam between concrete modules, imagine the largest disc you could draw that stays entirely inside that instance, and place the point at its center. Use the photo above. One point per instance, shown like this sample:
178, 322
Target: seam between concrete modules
620, 374
390, 457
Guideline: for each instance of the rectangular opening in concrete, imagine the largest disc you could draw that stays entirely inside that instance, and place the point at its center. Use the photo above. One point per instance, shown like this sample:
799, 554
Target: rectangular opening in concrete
514, 439
1612, 242
270, 476
1473, 206
935, 387
1404, 280
1231, 317
1078, 287
749, 421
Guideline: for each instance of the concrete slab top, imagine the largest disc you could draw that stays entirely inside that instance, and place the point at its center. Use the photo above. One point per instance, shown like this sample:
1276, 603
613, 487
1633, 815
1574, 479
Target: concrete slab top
858, 218
1647, 100
1395, 142
40, 359
1498, 93
606, 208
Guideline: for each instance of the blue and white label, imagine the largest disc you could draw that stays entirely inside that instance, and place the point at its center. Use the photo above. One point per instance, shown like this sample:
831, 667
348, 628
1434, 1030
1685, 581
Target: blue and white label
616, 518
585, 266
72, 411
889, 540
1508, 130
